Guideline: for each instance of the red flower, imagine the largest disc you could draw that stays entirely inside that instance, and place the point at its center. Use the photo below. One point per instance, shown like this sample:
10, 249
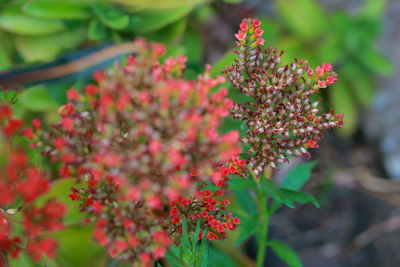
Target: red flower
321, 84
256, 23
240, 35
258, 32
260, 41
319, 71
243, 26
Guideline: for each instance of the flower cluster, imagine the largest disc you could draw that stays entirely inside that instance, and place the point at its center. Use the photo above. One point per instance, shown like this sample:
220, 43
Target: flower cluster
207, 206
21, 184
283, 117
139, 138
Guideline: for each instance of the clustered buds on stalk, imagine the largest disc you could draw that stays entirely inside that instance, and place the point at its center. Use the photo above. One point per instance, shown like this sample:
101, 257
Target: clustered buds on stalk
283, 118
20, 185
139, 140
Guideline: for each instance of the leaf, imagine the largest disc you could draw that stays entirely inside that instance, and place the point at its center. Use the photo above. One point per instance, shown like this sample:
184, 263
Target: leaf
363, 88
13, 20
70, 238
159, 265
169, 34
245, 201
152, 20
195, 236
296, 196
173, 260
238, 182
298, 176
160, 4
233, 1
186, 251
37, 99
247, 227
192, 42
376, 62
271, 190
220, 258
110, 16
5, 61
50, 9
303, 17
60, 190
343, 103
373, 8
286, 253
96, 31
202, 255
226, 59
46, 48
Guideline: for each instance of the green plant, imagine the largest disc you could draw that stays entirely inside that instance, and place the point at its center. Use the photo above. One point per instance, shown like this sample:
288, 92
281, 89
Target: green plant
346, 40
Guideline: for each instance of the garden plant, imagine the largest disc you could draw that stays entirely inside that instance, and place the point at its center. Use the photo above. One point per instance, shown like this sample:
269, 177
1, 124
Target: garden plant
151, 167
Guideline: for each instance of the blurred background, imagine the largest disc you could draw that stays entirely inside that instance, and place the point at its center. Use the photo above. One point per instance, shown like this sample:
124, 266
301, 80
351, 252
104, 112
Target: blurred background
357, 178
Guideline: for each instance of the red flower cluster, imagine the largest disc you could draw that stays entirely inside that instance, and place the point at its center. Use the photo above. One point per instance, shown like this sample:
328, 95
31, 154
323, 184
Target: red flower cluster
140, 138
203, 207
253, 33
282, 119
21, 184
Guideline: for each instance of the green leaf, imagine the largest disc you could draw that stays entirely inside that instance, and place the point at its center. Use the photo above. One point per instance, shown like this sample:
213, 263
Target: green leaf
169, 5
247, 227
152, 20
237, 182
97, 31
303, 17
271, 190
192, 42
286, 253
220, 258
343, 102
376, 62
110, 16
37, 99
5, 61
296, 196
226, 59
202, 255
185, 244
50, 9
60, 190
245, 201
70, 238
169, 34
13, 20
373, 8
298, 176
173, 260
159, 265
46, 48
233, 1
362, 88
195, 235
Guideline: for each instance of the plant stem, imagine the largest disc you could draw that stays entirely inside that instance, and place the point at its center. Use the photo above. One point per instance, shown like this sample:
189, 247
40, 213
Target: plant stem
262, 241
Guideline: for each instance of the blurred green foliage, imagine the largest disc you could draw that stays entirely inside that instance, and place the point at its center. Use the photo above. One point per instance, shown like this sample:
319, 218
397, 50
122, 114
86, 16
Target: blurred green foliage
348, 41
39, 30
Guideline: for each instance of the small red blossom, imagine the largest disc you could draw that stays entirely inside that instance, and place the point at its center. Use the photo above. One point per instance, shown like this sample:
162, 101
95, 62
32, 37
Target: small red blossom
321, 84
256, 23
319, 71
330, 80
258, 32
260, 41
240, 35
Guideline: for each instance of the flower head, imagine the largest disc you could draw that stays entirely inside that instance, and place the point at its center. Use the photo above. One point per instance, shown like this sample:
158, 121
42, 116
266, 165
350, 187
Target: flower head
282, 118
